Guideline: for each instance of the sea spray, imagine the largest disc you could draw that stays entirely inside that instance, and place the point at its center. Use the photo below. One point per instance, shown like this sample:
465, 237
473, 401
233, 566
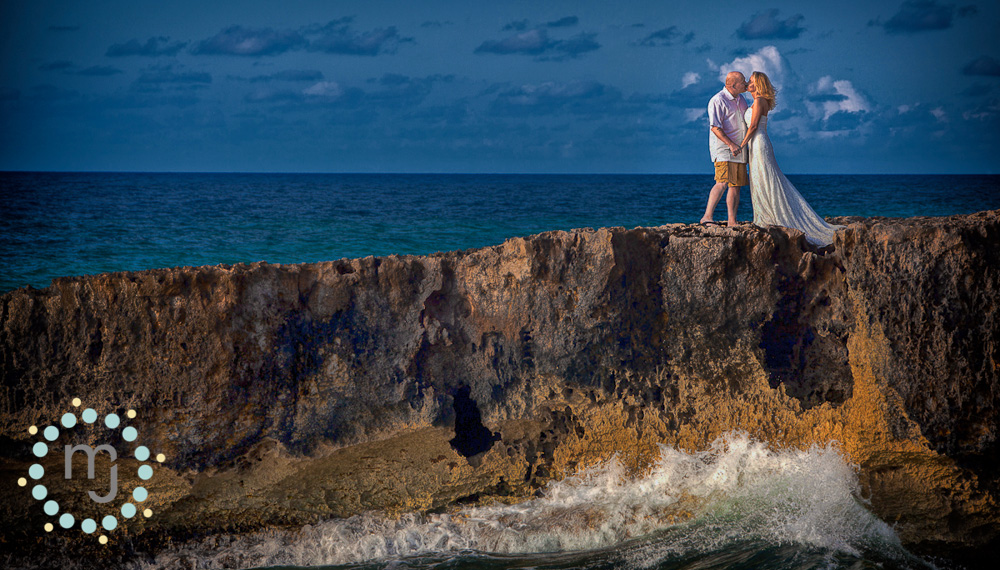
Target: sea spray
739, 492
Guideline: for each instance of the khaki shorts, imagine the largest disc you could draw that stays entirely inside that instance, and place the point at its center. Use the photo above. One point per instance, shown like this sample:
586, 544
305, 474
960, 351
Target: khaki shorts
732, 173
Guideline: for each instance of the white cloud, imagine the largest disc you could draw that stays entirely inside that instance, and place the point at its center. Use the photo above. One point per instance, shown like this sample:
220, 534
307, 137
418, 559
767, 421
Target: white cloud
691, 115
829, 96
831, 134
690, 78
325, 89
808, 108
767, 60
986, 112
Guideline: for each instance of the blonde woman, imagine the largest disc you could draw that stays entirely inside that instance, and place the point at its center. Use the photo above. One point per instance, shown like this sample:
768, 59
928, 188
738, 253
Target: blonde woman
776, 202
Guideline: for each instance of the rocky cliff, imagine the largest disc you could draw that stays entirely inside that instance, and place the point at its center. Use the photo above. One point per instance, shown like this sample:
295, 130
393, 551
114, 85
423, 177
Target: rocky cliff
288, 394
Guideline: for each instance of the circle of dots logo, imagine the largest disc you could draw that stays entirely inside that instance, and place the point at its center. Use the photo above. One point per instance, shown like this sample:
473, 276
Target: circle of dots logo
36, 472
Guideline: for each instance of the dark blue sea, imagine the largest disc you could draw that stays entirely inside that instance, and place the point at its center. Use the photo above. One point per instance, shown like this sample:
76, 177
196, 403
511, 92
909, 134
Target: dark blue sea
61, 224
739, 505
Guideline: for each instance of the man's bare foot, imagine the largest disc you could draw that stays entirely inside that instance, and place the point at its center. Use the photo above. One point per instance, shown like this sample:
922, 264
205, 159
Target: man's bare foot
732, 224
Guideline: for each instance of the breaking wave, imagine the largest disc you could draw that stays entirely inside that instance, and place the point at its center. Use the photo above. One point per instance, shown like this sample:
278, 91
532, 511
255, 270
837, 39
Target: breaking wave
738, 498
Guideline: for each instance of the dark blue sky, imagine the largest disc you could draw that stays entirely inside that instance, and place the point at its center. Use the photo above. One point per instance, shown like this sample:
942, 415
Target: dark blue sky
475, 86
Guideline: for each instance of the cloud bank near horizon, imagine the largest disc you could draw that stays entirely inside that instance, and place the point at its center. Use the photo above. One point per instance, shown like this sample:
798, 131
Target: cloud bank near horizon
555, 91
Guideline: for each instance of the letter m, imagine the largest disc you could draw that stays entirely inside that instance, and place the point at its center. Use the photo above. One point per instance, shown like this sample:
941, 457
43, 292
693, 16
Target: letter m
91, 452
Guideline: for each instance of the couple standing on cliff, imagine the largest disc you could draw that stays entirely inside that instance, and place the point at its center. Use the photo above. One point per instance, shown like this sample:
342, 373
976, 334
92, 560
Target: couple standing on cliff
776, 202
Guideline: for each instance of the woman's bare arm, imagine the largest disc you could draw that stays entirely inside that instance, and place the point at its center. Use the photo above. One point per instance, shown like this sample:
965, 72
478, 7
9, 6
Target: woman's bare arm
759, 108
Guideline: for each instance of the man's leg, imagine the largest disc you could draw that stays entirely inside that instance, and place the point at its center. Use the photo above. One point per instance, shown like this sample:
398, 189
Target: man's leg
713, 200
733, 204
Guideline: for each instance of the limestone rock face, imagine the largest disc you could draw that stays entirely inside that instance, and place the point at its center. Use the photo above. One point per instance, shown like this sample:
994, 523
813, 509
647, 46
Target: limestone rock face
287, 394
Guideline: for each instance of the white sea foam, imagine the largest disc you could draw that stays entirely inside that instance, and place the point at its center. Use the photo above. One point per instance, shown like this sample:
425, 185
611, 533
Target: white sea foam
737, 490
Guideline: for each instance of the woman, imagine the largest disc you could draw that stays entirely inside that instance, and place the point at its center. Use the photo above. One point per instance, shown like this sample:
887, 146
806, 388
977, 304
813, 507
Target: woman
776, 202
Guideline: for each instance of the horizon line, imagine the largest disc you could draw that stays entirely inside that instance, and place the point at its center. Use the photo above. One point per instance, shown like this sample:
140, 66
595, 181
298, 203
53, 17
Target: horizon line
473, 173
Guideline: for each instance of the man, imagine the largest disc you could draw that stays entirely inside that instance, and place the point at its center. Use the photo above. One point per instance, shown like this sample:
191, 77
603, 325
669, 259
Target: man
725, 116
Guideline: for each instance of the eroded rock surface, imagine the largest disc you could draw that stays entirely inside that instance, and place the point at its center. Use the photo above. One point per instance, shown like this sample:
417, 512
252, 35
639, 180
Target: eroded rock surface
288, 394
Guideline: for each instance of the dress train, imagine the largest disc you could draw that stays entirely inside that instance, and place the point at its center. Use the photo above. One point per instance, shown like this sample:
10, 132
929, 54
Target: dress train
776, 202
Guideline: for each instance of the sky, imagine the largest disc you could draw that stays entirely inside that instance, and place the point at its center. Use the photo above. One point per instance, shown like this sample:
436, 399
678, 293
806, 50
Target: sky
871, 86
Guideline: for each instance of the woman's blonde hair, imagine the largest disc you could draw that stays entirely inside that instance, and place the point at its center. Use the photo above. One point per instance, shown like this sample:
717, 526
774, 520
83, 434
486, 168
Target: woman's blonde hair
764, 88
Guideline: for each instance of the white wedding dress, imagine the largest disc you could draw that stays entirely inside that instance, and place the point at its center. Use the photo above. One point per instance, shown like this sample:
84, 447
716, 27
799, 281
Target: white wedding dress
776, 202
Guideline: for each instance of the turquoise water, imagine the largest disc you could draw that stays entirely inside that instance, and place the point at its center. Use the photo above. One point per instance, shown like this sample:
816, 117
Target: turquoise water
752, 507
60, 224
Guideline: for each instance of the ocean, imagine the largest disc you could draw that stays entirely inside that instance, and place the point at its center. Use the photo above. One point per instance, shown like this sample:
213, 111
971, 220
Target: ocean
62, 224
739, 504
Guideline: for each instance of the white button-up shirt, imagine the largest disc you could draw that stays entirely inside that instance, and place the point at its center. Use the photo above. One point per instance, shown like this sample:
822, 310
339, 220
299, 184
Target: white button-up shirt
725, 111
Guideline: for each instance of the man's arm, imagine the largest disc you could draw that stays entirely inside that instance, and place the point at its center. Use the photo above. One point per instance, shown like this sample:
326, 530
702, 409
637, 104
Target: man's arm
733, 148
